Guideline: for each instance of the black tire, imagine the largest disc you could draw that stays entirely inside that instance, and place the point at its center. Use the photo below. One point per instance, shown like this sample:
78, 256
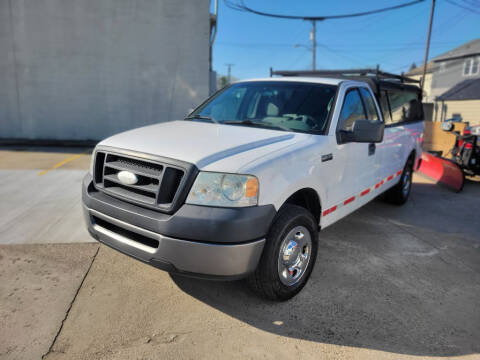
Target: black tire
265, 281
463, 181
396, 195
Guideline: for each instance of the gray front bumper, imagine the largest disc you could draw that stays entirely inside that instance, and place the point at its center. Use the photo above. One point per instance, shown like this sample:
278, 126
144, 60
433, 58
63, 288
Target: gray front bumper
192, 258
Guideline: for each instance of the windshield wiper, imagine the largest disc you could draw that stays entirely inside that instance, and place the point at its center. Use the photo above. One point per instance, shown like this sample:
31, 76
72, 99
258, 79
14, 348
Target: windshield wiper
256, 124
201, 117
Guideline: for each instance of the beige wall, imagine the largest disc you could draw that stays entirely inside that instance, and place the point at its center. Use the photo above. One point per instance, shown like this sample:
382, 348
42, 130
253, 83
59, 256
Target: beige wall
427, 88
468, 109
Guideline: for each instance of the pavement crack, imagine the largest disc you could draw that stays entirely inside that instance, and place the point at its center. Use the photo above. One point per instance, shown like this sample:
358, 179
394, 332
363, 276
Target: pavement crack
50, 349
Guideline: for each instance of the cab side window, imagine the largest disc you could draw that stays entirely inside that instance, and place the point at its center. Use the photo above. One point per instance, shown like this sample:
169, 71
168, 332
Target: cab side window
369, 105
352, 110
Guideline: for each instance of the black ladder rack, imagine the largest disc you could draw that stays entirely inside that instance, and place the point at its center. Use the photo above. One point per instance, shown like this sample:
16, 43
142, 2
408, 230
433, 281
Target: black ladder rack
374, 74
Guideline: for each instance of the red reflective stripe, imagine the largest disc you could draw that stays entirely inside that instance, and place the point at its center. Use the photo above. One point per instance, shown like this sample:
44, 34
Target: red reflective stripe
378, 185
390, 178
348, 201
364, 192
399, 172
328, 211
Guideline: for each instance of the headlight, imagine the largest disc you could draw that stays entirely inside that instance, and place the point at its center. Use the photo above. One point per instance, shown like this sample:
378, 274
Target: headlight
227, 190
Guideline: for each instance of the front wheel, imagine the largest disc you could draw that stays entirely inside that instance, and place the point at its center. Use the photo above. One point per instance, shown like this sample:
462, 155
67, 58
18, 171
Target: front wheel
289, 255
399, 194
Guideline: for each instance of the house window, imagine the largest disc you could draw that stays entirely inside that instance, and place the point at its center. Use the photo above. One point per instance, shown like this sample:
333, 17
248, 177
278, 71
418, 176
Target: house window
471, 66
467, 66
475, 66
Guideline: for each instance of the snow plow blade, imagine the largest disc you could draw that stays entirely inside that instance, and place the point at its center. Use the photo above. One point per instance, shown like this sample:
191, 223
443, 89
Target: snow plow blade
441, 171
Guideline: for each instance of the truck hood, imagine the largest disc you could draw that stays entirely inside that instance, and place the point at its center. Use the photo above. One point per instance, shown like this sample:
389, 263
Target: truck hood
203, 144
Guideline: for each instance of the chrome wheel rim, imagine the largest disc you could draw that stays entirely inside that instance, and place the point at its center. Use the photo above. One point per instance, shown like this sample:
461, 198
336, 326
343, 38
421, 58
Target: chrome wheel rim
294, 256
406, 181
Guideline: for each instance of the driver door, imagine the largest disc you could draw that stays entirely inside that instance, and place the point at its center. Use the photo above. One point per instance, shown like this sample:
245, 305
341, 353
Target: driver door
355, 170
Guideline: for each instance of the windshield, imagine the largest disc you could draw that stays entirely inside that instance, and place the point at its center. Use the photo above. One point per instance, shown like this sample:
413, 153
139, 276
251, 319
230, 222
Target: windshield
288, 106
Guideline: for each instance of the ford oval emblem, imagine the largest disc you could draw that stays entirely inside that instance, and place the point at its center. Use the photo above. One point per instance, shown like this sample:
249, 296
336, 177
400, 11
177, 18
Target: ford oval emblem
127, 178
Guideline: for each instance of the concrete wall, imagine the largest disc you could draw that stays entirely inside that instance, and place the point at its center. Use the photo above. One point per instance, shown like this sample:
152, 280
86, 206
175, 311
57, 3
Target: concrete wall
85, 69
447, 74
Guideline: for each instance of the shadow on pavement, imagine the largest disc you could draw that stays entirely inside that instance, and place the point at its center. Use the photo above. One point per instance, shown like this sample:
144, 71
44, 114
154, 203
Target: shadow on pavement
387, 278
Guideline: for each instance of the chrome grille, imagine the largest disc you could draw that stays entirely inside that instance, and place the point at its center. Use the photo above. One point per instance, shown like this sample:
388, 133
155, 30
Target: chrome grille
159, 184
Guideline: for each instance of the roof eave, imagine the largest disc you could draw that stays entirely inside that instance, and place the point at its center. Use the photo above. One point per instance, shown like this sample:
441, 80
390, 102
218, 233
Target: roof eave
456, 57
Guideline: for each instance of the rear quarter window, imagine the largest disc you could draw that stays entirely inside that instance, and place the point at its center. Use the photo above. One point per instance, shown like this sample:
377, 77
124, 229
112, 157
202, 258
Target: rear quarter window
385, 108
405, 106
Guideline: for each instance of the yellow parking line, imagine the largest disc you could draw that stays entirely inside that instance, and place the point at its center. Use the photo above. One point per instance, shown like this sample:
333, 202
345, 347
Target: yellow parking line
61, 163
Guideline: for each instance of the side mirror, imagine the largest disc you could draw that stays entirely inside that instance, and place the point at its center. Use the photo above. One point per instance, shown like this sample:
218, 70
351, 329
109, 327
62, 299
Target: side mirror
447, 126
364, 131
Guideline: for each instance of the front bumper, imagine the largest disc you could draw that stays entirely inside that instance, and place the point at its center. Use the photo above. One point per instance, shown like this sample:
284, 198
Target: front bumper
198, 241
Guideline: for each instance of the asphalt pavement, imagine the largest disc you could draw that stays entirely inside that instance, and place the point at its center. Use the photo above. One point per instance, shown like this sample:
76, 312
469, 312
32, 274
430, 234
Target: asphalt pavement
390, 283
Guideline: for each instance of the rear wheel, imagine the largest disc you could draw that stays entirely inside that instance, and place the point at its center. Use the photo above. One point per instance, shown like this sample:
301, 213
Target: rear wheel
289, 255
399, 194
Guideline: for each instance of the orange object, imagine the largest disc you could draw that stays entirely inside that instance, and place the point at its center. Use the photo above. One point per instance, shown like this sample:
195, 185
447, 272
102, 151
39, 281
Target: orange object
442, 171
251, 188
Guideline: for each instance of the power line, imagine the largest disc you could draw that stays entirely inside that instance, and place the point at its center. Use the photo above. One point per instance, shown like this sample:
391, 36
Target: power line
383, 22
472, 2
406, 65
346, 57
296, 61
357, 47
239, 5
463, 6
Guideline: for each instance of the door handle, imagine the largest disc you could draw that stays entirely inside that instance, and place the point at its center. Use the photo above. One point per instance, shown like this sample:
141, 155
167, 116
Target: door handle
371, 149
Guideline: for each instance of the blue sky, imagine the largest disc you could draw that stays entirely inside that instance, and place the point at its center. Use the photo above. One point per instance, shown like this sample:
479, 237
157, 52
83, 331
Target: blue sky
393, 39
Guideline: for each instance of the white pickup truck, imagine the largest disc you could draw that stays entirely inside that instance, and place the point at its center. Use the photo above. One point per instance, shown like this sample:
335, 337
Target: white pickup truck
242, 186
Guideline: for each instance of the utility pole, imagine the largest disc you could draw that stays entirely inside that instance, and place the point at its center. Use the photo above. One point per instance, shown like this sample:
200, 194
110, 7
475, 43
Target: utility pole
313, 37
427, 46
229, 72
213, 33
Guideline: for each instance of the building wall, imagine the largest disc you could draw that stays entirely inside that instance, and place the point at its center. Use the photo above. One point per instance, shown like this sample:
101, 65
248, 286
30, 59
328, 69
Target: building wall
469, 110
447, 74
427, 88
87, 69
